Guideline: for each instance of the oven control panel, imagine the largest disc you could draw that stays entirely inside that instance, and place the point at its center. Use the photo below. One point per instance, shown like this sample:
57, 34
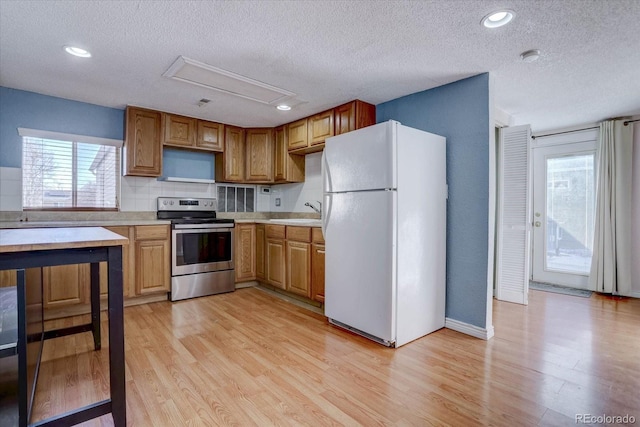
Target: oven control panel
186, 204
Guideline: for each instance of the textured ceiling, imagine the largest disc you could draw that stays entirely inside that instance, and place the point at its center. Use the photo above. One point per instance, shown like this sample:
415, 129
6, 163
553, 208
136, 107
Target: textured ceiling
329, 52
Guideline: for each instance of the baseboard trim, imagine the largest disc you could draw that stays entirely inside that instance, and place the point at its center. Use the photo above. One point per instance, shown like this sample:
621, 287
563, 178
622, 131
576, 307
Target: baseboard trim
466, 328
635, 294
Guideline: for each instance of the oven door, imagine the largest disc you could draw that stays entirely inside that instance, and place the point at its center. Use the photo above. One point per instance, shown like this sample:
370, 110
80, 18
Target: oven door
200, 250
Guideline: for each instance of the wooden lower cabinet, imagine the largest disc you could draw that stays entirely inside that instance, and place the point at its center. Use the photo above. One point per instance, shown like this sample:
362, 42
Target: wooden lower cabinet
146, 270
275, 261
261, 264
299, 268
152, 259
317, 272
65, 285
317, 265
245, 252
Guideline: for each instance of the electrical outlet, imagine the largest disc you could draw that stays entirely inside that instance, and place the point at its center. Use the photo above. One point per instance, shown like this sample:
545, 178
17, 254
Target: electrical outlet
277, 201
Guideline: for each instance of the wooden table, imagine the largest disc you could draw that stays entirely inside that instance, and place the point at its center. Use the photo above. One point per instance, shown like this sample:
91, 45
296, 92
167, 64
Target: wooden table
43, 247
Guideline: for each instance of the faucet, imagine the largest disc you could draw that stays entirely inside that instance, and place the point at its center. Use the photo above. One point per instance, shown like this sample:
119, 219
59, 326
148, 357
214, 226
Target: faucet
314, 208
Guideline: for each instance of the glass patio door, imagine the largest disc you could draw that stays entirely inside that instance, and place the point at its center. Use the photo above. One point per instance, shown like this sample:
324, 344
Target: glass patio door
563, 213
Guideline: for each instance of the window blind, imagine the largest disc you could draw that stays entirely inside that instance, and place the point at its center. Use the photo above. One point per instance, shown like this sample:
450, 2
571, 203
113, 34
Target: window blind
60, 174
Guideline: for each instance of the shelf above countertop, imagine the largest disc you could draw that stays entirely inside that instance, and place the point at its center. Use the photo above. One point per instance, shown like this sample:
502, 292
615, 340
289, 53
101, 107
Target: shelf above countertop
192, 180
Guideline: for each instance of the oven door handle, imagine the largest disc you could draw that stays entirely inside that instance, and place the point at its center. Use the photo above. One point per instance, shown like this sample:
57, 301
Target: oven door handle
201, 230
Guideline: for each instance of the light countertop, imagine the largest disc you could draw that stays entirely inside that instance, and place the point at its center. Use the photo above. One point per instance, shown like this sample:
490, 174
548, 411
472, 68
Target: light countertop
80, 223
32, 239
300, 222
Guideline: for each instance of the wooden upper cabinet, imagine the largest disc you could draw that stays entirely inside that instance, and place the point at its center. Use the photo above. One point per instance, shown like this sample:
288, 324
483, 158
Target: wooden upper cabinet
230, 165
298, 135
287, 167
179, 131
210, 136
320, 127
259, 155
353, 115
143, 143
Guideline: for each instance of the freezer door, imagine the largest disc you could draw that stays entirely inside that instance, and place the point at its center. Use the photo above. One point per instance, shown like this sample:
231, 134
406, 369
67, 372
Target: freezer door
364, 159
360, 261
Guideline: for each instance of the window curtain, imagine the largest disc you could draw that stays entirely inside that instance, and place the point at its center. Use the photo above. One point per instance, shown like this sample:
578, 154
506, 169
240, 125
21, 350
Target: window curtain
611, 260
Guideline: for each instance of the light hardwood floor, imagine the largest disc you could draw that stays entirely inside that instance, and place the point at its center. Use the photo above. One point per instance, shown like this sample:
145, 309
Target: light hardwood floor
248, 358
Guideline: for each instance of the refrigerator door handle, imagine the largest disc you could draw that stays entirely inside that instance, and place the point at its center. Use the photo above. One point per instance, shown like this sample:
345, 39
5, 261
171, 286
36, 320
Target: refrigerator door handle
326, 214
326, 174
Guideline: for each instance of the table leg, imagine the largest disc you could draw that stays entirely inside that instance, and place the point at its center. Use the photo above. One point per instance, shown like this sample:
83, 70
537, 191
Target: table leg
95, 305
116, 337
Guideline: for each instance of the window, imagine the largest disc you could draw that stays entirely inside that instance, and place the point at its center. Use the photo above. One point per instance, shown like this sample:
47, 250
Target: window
62, 171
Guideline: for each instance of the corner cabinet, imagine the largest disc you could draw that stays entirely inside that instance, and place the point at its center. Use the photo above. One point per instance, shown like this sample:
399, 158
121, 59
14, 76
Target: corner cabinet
143, 142
245, 252
287, 167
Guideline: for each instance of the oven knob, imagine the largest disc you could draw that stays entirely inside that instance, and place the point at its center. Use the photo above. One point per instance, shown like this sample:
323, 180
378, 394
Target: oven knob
164, 203
171, 202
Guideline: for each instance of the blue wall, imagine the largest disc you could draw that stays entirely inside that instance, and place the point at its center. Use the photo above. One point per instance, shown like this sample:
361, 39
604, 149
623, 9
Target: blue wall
31, 110
460, 112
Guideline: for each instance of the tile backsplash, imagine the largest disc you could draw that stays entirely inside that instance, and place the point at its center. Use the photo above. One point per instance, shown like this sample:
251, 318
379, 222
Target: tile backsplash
139, 194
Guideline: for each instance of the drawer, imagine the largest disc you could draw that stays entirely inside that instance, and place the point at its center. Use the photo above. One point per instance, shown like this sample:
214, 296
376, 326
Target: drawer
316, 235
275, 231
300, 234
149, 232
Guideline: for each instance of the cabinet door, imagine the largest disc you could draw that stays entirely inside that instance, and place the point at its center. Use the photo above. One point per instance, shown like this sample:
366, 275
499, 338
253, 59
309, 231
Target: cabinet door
152, 266
233, 157
210, 135
245, 254
345, 118
287, 167
275, 251
299, 268
260, 255
179, 131
317, 272
8, 278
298, 135
259, 155
143, 144
320, 127
353, 115
64, 285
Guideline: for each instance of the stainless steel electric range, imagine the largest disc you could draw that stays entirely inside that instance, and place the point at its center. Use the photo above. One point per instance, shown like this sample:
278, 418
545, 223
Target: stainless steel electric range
201, 247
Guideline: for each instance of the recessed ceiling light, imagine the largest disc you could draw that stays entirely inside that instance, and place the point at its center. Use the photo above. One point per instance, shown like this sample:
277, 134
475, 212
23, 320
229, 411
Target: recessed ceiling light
498, 18
530, 55
283, 107
77, 51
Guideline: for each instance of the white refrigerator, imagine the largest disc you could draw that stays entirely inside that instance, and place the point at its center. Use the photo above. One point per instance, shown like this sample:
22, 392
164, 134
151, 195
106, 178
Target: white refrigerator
384, 223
